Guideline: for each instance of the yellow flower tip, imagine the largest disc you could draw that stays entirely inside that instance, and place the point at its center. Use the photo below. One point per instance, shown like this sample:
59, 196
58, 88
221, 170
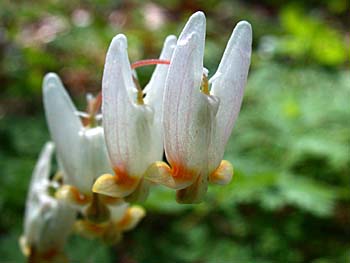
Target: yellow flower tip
223, 174
72, 195
176, 178
25, 248
131, 218
107, 184
137, 212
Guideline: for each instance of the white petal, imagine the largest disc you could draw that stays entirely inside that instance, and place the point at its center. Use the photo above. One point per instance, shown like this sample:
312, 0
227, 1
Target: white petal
47, 221
94, 160
40, 178
127, 126
64, 124
154, 95
41, 173
228, 85
155, 88
187, 112
196, 23
56, 224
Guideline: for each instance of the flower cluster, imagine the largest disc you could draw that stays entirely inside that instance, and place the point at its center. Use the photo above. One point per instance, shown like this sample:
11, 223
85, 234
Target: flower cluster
183, 112
108, 160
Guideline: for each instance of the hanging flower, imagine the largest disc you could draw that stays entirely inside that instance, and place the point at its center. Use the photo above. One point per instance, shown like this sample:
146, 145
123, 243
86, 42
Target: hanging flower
47, 222
132, 122
81, 151
82, 156
197, 120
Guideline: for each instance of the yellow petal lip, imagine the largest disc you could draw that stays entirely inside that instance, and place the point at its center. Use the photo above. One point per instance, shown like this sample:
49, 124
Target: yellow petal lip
114, 185
25, 248
177, 177
223, 174
132, 217
72, 195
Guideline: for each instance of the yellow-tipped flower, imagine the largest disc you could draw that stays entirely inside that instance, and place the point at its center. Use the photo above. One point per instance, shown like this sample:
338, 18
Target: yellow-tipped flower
132, 124
81, 150
198, 121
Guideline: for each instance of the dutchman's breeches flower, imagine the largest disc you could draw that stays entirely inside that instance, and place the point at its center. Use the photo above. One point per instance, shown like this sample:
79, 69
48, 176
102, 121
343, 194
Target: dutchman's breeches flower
82, 156
198, 121
132, 122
48, 221
81, 150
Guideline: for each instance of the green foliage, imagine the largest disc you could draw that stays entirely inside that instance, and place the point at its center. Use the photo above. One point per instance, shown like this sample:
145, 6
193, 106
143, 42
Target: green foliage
311, 38
290, 198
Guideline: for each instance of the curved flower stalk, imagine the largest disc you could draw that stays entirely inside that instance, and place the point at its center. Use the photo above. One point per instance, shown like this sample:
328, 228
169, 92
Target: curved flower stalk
198, 121
132, 123
48, 221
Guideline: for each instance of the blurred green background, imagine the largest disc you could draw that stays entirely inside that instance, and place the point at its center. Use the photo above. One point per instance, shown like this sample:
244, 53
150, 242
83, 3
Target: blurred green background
290, 197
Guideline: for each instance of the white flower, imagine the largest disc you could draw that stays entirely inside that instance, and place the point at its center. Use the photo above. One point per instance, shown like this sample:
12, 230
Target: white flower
48, 222
82, 155
132, 124
81, 151
197, 121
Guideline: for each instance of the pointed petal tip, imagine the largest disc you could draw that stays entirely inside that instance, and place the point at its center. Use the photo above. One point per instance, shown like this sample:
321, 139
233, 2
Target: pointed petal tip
197, 19
199, 16
244, 25
196, 23
243, 33
119, 41
50, 79
49, 146
170, 40
51, 75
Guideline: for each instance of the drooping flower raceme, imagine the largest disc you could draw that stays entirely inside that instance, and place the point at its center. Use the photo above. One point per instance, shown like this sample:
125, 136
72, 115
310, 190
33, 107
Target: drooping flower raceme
48, 221
132, 123
197, 122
